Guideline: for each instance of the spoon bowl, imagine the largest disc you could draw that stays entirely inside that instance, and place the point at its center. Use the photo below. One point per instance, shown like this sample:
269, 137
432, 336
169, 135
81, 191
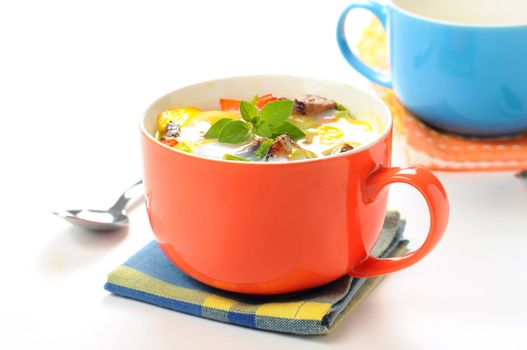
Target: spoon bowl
95, 220
110, 219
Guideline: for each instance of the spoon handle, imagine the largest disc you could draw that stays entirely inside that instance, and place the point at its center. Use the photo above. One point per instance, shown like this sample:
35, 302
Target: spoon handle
135, 191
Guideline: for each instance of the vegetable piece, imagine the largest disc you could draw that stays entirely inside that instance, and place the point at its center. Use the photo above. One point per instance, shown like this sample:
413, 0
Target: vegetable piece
307, 154
249, 112
216, 128
277, 112
233, 157
170, 142
289, 129
235, 132
184, 146
263, 129
300, 154
176, 115
342, 111
265, 99
229, 104
262, 150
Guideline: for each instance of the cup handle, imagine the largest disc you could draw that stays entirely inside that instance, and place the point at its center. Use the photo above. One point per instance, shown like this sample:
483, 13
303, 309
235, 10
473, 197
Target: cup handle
381, 12
433, 192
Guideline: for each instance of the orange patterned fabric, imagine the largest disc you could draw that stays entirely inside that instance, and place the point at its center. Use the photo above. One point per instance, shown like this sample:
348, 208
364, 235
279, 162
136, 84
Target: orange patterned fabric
435, 149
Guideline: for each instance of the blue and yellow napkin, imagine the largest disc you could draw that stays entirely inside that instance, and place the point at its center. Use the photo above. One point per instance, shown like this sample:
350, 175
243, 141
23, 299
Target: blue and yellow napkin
150, 277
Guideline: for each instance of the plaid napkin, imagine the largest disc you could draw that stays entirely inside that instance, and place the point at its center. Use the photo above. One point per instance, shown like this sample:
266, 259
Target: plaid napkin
150, 277
432, 148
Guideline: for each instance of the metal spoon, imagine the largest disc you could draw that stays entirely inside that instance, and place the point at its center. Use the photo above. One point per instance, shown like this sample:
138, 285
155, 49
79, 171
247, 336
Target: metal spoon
110, 219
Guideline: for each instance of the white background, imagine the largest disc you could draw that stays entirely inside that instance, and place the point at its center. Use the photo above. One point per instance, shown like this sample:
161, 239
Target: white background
74, 79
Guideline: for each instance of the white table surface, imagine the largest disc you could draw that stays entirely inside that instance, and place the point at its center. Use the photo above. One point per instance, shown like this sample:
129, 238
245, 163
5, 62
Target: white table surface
74, 79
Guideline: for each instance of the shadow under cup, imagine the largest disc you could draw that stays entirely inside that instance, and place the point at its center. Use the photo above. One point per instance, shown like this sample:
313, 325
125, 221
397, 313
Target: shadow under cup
457, 65
279, 227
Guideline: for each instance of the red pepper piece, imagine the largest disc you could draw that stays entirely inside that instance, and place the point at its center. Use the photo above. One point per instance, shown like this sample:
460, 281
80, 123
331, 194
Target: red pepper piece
170, 142
265, 99
229, 105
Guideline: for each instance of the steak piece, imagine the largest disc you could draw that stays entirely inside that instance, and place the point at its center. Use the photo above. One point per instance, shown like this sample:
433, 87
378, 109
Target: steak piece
313, 105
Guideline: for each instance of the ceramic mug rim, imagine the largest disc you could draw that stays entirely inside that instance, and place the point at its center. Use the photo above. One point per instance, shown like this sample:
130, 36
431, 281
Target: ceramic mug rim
421, 17
386, 116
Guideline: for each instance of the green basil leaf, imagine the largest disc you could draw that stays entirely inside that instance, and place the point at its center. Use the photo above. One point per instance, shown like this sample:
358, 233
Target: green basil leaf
254, 100
249, 112
287, 128
235, 132
233, 157
277, 112
263, 129
261, 152
215, 129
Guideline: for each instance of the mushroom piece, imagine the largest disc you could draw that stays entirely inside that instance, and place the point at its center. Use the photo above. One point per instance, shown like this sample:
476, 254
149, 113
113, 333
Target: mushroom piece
172, 131
345, 148
285, 145
340, 148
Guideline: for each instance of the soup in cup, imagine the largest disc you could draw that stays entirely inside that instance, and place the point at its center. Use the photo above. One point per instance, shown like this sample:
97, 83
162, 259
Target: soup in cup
275, 209
267, 129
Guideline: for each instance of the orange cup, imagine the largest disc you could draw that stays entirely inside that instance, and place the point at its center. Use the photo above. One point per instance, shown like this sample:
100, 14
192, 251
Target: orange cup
270, 228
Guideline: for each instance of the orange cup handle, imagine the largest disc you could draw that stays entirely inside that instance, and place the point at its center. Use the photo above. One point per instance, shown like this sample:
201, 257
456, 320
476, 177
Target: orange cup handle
433, 192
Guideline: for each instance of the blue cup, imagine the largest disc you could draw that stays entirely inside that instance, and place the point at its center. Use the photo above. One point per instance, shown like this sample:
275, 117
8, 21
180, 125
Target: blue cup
460, 66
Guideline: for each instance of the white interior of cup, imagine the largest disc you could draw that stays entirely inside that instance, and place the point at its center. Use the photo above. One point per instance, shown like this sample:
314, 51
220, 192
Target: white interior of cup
206, 96
469, 12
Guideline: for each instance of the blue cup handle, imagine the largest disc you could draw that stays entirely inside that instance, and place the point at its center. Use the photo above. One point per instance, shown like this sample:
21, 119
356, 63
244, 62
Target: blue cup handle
381, 12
